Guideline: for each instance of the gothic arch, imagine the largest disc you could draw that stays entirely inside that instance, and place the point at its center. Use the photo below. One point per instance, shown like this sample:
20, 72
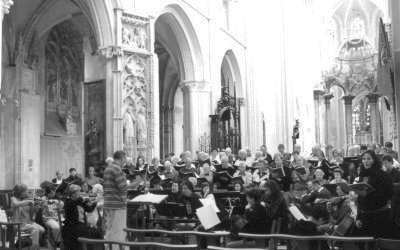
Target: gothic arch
187, 51
92, 9
230, 70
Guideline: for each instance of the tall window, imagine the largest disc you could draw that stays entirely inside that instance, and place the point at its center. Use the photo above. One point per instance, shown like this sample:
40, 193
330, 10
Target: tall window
63, 70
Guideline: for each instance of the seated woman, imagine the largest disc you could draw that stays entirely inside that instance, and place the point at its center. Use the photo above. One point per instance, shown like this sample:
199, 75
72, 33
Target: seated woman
51, 208
93, 217
299, 180
272, 199
319, 176
256, 218
92, 179
75, 224
21, 212
337, 174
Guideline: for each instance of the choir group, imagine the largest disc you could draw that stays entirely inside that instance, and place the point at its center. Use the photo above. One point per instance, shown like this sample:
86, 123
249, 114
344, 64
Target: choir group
355, 195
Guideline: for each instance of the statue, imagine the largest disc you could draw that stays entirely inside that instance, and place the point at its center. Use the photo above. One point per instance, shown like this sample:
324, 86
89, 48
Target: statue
92, 136
128, 120
142, 127
140, 37
70, 125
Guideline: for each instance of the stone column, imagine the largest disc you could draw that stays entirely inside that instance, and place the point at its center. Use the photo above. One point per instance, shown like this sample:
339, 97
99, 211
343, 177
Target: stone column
5, 9
170, 129
373, 100
317, 101
162, 130
328, 120
348, 110
242, 107
198, 94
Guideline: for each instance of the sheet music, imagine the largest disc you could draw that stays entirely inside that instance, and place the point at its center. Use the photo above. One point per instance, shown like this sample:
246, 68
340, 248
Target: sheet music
207, 216
150, 198
296, 213
3, 216
211, 202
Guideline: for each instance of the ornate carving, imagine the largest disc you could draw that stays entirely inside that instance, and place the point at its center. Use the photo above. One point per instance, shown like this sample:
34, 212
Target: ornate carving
204, 143
348, 100
110, 51
134, 37
92, 136
134, 32
135, 105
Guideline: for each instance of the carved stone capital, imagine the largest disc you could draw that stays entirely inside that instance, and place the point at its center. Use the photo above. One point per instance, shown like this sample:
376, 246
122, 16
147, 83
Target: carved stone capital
373, 97
318, 94
5, 6
328, 97
110, 51
348, 100
193, 86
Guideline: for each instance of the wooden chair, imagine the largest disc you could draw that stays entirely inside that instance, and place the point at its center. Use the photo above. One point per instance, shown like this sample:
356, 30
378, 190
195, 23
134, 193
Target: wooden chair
387, 244
141, 245
153, 234
10, 232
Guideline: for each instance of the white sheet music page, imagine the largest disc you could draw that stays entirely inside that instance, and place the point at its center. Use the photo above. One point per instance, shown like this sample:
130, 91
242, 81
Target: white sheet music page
296, 213
150, 198
211, 202
207, 216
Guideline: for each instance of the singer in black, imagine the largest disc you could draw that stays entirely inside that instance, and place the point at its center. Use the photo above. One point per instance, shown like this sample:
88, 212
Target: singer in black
256, 218
373, 211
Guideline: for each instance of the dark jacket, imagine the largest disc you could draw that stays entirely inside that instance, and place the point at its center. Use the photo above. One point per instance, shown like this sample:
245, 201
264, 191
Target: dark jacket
192, 203
256, 217
383, 192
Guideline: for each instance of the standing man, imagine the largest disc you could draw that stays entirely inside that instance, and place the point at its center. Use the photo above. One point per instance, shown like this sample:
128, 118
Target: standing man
115, 199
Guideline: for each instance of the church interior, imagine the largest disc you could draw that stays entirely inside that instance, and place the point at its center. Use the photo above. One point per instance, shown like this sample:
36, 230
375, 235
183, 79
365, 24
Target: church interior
220, 123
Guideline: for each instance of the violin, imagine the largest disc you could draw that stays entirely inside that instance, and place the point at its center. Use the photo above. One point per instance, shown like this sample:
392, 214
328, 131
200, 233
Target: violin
88, 197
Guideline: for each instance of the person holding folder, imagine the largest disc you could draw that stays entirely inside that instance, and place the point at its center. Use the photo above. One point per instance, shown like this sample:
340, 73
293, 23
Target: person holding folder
254, 221
374, 216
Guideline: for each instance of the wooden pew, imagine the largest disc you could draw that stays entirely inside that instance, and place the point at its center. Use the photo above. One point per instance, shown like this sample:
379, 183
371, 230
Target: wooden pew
142, 245
210, 237
388, 244
304, 240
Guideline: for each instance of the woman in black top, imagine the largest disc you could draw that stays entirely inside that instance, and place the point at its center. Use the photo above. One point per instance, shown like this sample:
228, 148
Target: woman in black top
255, 216
273, 201
75, 221
373, 211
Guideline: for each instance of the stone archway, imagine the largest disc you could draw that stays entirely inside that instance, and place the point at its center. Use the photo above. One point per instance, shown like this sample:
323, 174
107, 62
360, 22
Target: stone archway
180, 66
26, 74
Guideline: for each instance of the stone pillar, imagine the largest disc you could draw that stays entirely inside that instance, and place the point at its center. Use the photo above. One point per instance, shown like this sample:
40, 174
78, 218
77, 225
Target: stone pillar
394, 14
5, 9
328, 120
348, 110
242, 107
198, 94
373, 100
170, 129
317, 102
162, 130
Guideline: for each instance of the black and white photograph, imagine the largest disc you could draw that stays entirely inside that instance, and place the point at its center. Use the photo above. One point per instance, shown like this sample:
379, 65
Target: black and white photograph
200, 124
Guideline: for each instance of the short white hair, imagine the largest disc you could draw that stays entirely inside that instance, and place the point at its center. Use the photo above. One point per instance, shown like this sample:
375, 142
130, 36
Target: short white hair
97, 189
109, 160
